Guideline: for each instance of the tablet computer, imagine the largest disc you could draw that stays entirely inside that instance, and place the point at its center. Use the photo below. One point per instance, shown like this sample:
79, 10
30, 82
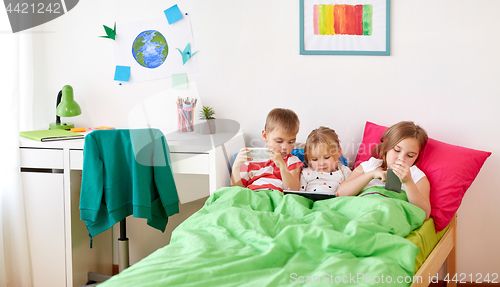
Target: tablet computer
392, 181
311, 195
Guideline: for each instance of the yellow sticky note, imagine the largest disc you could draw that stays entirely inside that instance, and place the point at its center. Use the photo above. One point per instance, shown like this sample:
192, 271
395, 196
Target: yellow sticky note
78, 130
104, 128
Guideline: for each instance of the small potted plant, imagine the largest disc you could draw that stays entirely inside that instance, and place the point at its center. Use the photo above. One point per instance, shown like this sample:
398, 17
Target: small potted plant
207, 113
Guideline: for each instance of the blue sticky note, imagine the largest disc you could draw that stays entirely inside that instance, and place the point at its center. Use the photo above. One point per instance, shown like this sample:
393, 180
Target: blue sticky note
179, 81
173, 14
122, 73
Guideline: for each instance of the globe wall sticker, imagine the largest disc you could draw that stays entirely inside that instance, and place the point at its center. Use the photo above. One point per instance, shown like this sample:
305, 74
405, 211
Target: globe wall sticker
138, 45
150, 49
31, 13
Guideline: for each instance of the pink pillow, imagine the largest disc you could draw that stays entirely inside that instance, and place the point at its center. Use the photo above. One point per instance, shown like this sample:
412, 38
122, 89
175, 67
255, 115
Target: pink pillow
450, 169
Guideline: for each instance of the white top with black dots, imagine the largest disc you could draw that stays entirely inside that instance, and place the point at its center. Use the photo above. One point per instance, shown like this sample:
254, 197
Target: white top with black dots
327, 182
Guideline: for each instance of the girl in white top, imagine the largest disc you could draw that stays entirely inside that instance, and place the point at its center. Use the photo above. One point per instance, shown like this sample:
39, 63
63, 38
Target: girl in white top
399, 150
322, 153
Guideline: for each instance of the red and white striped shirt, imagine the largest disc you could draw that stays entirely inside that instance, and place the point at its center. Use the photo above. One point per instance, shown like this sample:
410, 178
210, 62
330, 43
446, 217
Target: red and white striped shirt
264, 174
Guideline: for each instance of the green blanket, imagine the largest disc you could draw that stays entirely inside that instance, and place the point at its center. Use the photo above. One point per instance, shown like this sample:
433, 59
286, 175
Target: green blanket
246, 238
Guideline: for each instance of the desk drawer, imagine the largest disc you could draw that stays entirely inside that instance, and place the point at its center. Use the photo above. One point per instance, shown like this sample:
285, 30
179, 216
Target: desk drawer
42, 158
76, 159
190, 163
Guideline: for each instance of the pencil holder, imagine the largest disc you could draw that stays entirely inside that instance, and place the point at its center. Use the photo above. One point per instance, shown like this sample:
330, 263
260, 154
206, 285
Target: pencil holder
185, 114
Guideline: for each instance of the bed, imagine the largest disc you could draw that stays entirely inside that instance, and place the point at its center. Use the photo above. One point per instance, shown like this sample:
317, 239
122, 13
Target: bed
445, 249
246, 238
265, 238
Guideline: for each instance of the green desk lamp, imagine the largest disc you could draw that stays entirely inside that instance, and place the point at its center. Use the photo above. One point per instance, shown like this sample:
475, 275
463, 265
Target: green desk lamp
67, 107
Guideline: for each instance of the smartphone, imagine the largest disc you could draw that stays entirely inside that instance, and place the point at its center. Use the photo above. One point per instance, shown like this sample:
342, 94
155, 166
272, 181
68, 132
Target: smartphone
259, 152
392, 181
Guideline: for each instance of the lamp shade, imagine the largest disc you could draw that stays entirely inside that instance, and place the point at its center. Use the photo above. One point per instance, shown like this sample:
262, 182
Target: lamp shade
68, 107
65, 107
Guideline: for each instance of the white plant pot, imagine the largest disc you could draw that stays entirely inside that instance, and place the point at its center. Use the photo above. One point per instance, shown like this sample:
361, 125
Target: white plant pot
208, 127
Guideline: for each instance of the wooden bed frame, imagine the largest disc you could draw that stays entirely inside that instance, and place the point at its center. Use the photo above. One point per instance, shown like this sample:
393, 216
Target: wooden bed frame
446, 249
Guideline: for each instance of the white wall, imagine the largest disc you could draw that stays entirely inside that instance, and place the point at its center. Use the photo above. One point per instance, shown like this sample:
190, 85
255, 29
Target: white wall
442, 74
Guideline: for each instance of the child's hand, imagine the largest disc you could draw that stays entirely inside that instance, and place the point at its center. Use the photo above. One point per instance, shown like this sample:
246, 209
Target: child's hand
242, 157
379, 173
277, 159
402, 170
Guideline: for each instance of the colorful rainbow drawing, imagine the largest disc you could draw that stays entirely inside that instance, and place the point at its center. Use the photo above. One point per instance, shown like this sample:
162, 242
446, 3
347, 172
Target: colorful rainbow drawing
344, 19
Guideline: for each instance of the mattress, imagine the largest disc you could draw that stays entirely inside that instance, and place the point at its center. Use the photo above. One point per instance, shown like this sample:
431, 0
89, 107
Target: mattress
425, 238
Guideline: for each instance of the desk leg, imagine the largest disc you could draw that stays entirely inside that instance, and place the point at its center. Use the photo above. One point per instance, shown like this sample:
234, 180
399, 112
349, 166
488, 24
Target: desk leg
213, 179
67, 217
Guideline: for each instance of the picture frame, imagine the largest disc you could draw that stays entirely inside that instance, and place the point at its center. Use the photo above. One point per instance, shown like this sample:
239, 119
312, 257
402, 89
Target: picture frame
345, 27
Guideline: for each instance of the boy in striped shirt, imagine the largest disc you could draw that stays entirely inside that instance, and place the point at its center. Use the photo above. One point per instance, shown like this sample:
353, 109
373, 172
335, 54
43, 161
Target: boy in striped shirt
282, 170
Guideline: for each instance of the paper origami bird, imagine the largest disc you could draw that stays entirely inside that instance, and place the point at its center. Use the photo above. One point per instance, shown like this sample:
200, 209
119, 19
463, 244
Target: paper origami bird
110, 33
186, 54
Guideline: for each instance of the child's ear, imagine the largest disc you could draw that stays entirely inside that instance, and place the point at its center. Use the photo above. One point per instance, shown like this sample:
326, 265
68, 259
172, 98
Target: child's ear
339, 151
264, 135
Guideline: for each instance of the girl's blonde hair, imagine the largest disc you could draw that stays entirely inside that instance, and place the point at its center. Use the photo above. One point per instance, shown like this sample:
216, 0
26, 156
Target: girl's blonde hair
282, 118
396, 133
321, 136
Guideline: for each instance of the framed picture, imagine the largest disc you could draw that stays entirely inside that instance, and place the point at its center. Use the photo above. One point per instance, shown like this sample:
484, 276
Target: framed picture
345, 27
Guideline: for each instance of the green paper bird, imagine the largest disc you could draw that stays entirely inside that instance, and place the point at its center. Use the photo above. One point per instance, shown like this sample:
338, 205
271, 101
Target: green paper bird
111, 33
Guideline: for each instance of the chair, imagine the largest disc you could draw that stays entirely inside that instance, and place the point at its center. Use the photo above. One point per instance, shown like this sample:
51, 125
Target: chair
118, 168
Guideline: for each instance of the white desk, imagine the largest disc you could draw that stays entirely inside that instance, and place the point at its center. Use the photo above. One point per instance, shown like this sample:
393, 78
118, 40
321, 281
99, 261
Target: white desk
51, 174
